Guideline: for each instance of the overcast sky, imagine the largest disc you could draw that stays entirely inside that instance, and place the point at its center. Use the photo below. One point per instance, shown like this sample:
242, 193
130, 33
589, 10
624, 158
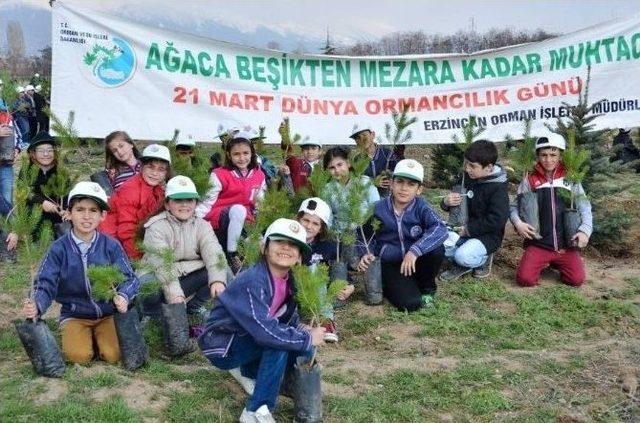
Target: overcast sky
348, 21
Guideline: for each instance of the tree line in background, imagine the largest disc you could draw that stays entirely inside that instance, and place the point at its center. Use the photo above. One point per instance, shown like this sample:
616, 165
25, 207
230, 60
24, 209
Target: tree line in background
15, 59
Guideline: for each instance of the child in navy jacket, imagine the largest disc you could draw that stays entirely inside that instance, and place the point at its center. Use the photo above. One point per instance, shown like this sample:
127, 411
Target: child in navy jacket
253, 330
409, 241
63, 277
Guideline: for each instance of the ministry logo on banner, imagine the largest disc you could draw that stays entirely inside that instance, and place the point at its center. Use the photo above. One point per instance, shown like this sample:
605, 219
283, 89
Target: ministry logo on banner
109, 63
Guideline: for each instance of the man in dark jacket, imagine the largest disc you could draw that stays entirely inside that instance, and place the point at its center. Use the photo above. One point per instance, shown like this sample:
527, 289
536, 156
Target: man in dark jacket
488, 210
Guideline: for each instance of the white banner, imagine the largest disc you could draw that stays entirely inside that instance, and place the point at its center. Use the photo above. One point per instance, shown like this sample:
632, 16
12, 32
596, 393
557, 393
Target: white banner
119, 75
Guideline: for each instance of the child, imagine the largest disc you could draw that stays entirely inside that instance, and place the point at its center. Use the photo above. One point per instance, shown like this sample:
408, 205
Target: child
315, 216
254, 330
199, 266
336, 161
9, 149
408, 242
547, 180
63, 277
122, 158
488, 211
235, 189
381, 158
300, 167
43, 155
138, 199
185, 147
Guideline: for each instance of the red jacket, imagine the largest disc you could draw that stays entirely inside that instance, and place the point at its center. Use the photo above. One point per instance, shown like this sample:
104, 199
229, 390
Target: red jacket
129, 207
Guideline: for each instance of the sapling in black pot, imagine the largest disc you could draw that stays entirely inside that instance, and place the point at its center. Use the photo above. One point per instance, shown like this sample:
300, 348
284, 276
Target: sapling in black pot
314, 293
104, 283
524, 161
575, 162
396, 134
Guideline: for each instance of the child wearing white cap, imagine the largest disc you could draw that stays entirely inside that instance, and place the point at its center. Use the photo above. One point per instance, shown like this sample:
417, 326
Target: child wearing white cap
299, 168
254, 329
84, 321
409, 241
138, 198
199, 268
381, 159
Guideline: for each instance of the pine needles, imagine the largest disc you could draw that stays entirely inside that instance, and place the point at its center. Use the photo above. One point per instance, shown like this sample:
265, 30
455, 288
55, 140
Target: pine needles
314, 293
104, 281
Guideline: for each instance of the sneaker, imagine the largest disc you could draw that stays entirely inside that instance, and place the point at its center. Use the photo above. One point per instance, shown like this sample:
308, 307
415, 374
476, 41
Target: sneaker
235, 262
247, 383
427, 301
454, 273
484, 271
261, 415
331, 334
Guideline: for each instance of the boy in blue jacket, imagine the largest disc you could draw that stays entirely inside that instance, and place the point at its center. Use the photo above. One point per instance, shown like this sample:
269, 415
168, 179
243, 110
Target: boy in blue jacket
409, 241
253, 330
63, 277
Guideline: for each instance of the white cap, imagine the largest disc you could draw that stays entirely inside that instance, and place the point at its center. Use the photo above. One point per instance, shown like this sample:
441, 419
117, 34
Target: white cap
227, 128
359, 127
29, 88
19, 89
181, 188
188, 142
37, 75
288, 229
156, 151
308, 141
551, 140
38, 88
90, 190
409, 168
317, 207
247, 135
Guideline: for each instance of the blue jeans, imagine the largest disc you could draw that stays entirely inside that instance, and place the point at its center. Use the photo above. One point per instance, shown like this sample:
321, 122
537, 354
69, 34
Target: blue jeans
470, 254
266, 365
23, 126
6, 183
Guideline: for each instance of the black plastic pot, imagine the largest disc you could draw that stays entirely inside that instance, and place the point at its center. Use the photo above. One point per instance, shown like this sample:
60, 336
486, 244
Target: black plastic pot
102, 179
133, 350
6, 255
61, 229
373, 283
175, 325
338, 271
572, 221
307, 391
528, 211
41, 347
7, 148
459, 215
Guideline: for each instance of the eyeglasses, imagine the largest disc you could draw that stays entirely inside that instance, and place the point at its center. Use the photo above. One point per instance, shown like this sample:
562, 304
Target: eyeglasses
44, 150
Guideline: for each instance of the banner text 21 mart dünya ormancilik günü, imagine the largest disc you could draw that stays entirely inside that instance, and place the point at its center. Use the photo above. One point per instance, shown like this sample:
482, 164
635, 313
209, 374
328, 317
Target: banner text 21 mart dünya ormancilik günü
117, 74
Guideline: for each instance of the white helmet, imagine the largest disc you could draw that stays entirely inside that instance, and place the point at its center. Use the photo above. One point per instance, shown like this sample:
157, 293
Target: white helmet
181, 188
156, 151
86, 189
409, 168
29, 88
287, 229
551, 140
359, 127
317, 207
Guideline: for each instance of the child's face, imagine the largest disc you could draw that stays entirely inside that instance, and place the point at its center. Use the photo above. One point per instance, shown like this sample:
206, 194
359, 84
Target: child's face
311, 153
85, 216
184, 152
240, 155
338, 168
549, 158
154, 172
182, 210
405, 190
121, 150
44, 155
475, 170
312, 224
282, 254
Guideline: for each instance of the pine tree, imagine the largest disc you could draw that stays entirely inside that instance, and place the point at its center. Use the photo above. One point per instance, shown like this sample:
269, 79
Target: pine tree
575, 161
524, 158
104, 281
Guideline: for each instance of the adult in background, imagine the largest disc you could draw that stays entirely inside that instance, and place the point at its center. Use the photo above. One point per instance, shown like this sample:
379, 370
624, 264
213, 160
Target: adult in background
381, 159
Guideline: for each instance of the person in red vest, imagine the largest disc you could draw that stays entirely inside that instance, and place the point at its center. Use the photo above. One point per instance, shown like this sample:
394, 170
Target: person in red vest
231, 200
300, 167
139, 198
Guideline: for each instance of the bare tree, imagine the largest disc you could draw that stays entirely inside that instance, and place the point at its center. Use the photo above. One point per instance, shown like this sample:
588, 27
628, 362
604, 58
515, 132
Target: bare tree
15, 40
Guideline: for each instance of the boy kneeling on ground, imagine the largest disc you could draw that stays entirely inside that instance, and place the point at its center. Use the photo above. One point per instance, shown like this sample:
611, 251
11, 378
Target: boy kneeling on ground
488, 211
63, 277
547, 181
408, 241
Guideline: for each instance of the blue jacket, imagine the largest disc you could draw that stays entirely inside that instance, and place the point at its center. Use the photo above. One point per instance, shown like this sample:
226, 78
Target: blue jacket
243, 310
379, 162
322, 252
418, 229
62, 277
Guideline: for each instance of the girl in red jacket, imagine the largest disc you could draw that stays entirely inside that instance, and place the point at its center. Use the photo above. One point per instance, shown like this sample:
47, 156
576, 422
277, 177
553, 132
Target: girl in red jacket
138, 199
235, 189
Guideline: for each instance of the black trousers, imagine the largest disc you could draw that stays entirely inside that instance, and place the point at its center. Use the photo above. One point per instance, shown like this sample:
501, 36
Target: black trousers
405, 292
195, 283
